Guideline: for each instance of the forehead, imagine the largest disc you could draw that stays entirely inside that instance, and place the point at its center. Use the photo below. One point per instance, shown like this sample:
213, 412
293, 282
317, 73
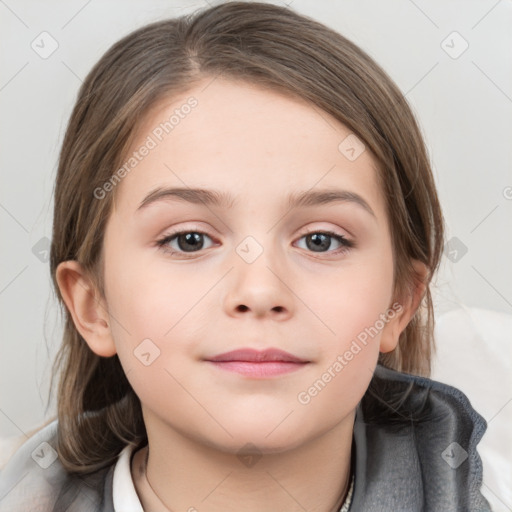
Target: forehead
247, 140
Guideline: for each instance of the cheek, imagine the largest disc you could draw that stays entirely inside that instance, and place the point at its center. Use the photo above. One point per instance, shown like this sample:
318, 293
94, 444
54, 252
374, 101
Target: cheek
155, 313
154, 301
350, 351
352, 299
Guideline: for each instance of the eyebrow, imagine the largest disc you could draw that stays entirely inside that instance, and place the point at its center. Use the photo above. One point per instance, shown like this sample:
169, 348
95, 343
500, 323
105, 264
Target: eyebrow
225, 200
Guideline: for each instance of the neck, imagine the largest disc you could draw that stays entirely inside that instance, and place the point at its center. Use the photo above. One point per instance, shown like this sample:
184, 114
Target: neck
182, 474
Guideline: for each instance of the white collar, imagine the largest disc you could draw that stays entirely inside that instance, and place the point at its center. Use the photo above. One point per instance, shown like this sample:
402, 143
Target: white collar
123, 492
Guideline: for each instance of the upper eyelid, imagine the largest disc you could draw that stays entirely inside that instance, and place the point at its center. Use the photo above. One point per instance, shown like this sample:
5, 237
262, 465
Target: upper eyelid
328, 231
302, 232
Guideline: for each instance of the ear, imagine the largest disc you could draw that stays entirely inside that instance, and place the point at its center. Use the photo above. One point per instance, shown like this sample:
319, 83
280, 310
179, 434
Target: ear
404, 308
86, 306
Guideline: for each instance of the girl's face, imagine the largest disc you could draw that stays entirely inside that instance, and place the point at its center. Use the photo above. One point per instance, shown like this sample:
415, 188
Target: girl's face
256, 270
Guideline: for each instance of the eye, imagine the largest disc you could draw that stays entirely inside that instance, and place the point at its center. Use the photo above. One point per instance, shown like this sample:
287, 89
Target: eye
191, 241
317, 241
187, 241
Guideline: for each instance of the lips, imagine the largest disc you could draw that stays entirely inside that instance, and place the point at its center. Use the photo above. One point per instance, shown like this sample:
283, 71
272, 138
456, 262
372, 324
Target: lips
254, 364
255, 356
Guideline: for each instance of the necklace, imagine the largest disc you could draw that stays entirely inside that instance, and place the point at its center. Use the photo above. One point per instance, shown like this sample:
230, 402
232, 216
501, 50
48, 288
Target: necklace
143, 471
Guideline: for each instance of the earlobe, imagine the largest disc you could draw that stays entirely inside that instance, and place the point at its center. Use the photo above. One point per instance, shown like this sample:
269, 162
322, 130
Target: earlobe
405, 310
87, 308
392, 330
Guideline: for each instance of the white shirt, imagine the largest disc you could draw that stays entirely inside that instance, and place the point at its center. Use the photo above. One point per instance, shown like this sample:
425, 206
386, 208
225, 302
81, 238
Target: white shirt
123, 492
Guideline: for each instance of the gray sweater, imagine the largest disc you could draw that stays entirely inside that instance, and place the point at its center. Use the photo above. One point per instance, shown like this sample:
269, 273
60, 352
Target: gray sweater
414, 449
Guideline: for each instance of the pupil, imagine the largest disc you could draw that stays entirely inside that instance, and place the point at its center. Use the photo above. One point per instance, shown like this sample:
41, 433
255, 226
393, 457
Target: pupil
320, 241
189, 239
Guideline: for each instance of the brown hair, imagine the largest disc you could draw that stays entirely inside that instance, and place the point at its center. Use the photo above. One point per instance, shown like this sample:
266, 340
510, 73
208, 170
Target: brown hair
264, 44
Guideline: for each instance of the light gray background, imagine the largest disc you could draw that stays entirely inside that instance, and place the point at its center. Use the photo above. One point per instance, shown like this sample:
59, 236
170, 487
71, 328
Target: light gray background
464, 106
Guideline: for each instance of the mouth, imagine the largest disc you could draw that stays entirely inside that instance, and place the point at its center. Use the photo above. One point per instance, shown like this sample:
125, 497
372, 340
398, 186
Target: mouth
258, 364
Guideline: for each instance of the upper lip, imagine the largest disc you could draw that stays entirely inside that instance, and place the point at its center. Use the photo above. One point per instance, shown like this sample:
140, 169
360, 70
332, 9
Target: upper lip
249, 354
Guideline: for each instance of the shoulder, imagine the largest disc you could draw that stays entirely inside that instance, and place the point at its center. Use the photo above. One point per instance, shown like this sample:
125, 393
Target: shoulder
34, 479
422, 400
416, 442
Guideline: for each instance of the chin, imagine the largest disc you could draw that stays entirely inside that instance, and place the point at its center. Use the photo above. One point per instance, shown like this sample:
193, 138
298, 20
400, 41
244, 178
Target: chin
264, 437
252, 444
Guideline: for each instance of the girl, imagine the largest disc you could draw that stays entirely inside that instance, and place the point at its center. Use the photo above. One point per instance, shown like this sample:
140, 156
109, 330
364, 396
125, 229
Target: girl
245, 230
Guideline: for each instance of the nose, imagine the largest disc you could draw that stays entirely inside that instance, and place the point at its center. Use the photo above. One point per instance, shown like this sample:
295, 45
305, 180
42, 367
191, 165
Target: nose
259, 288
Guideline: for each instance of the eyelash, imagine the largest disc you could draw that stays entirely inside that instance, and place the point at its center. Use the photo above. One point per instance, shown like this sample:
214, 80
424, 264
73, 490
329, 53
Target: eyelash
346, 244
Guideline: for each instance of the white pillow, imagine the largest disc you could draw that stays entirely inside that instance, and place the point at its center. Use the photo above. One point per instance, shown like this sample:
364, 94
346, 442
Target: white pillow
474, 354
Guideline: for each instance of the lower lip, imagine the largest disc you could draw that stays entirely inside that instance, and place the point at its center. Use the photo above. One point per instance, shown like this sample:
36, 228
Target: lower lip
259, 369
